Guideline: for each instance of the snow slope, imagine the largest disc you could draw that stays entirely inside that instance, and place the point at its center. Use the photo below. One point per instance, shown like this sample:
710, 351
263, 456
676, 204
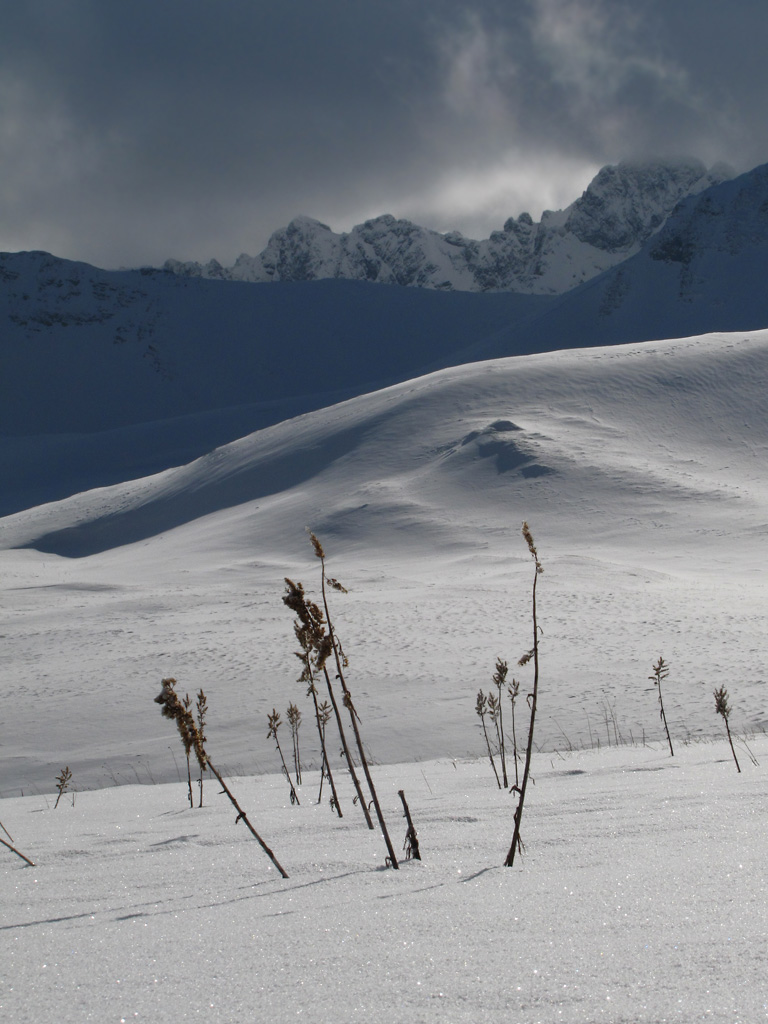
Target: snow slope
641, 469
110, 375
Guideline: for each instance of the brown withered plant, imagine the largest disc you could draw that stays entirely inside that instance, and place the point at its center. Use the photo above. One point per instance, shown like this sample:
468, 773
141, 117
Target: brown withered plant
481, 710
294, 720
500, 678
187, 702
62, 784
275, 722
201, 712
310, 631
307, 629
341, 662
323, 714
660, 673
411, 842
171, 707
513, 690
723, 708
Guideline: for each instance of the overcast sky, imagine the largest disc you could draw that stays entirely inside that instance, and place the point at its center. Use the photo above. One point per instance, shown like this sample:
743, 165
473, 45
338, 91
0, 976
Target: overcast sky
134, 130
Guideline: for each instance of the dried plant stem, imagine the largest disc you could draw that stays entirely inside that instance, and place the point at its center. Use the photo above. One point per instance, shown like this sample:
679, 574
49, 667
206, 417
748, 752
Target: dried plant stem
310, 630
499, 679
513, 691
490, 755
351, 708
325, 768
411, 845
500, 730
294, 720
62, 784
481, 709
187, 702
660, 672
364, 761
201, 708
723, 708
241, 814
17, 852
171, 707
345, 747
274, 725
730, 740
533, 697
189, 784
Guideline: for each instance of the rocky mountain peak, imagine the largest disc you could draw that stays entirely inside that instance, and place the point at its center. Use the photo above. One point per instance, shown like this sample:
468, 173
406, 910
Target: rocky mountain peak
623, 206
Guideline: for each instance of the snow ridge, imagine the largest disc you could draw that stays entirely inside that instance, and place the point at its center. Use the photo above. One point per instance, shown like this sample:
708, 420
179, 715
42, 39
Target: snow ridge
622, 207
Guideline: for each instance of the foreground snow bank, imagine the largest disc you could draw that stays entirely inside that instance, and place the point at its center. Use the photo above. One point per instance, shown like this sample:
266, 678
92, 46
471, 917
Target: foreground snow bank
641, 898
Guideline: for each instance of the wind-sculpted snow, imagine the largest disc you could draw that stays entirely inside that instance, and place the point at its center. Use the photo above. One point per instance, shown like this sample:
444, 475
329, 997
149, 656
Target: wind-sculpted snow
641, 469
619, 211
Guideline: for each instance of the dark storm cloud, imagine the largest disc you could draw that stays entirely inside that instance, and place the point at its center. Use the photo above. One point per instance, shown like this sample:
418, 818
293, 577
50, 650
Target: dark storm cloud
132, 131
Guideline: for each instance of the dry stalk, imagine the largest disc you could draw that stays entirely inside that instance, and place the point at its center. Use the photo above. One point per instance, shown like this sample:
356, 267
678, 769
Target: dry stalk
17, 852
171, 707
533, 697
723, 708
310, 630
341, 663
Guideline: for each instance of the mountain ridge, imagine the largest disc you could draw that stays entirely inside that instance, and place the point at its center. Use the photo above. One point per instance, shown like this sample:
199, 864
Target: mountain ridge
621, 208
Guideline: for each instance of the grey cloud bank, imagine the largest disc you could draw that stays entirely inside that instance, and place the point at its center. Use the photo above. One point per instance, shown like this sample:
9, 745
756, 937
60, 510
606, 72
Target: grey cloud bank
135, 132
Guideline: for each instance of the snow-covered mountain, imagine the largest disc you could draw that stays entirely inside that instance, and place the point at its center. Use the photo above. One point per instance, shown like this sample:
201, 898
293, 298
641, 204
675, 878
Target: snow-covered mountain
110, 375
622, 207
705, 270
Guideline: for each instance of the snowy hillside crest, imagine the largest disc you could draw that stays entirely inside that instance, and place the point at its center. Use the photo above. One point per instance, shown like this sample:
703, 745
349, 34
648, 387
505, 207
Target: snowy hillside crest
622, 207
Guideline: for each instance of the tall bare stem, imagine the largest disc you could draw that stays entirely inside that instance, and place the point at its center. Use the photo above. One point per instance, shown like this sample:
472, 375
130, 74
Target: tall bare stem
533, 700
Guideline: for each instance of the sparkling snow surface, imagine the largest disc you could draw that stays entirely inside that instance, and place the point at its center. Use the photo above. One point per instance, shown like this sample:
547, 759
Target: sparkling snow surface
641, 898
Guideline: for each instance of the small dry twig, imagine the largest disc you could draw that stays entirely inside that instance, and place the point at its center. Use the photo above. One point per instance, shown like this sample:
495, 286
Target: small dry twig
62, 784
17, 852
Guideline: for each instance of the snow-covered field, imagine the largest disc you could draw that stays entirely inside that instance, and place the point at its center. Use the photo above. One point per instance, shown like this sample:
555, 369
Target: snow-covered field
643, 472
641, 899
